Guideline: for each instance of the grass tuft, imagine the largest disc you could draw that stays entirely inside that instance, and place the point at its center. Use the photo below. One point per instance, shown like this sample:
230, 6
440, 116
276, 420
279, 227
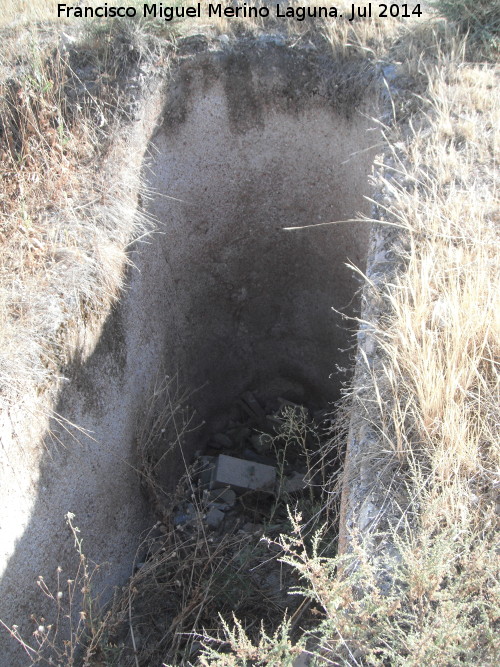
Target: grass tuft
479, 19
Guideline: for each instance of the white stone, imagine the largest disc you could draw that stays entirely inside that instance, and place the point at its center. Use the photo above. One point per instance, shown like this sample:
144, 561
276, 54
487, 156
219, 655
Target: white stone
243, 475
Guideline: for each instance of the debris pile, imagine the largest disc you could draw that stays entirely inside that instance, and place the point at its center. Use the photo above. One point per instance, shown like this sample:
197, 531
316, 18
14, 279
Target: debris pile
261, 457
216, 549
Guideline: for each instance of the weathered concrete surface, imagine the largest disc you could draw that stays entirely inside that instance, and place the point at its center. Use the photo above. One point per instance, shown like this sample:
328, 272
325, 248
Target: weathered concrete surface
366, 503
248, 145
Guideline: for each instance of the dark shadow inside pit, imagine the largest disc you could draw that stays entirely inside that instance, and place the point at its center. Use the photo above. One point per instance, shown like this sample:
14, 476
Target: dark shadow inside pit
246, 148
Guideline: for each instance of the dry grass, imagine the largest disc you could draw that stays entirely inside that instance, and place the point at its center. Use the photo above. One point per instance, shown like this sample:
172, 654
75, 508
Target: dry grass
27, 11
76, 629
64, 230
478, 19
441, 335
193, 581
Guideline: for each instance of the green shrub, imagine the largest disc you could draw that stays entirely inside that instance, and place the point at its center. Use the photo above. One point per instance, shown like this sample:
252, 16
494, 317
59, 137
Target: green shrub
480, 19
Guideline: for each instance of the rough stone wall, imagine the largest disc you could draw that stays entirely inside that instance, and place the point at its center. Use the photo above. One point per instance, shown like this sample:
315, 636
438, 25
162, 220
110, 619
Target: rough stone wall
364, 505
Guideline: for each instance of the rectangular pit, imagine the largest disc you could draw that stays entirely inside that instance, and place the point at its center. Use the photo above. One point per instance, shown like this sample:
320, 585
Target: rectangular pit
251, 140
244, 150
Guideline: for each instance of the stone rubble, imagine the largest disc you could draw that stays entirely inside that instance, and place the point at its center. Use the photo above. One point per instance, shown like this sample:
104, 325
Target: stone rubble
240, 471
233, 507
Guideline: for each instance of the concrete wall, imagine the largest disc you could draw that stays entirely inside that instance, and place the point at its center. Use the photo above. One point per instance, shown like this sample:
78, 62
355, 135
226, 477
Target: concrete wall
248, 143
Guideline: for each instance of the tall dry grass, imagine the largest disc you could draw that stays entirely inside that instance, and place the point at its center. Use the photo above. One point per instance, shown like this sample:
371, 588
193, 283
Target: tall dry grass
66, 221
27, 11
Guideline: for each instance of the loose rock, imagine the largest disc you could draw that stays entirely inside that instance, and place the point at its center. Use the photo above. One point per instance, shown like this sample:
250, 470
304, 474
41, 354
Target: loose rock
243, 475
214, 518
252, 528
206, 469
226, 496
295, 482
261, 442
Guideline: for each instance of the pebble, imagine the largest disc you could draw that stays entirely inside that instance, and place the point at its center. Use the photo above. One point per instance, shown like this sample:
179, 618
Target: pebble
252, 406
226, 496
186, 514
295, 482
219, 506
214, 445
214, 518
181, 518
285, 403
250, 527
240, 433
207, 468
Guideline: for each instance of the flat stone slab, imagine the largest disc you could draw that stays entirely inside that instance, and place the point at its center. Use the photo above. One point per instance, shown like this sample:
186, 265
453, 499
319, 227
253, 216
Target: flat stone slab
243, 475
